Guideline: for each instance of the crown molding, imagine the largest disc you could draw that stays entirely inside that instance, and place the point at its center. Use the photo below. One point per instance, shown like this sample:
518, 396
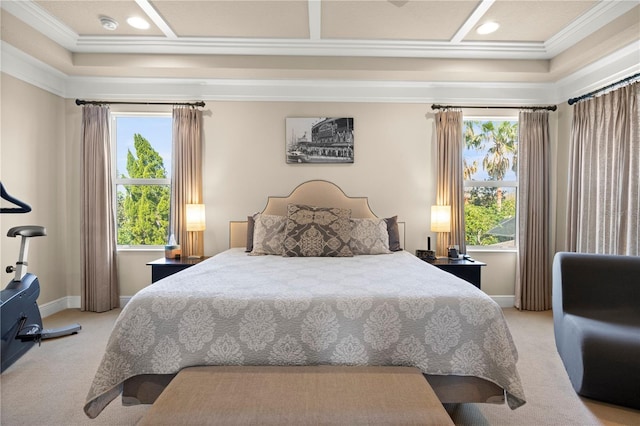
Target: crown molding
306, 91
605, 71
610, 69
37, 17
30, 70
595, 18
306, 47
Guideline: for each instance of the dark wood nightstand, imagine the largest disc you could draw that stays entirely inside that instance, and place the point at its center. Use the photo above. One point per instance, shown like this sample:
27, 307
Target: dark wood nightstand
163, 267
465, 269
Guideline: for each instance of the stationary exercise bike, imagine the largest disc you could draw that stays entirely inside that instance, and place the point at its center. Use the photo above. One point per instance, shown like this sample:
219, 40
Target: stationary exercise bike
21, 324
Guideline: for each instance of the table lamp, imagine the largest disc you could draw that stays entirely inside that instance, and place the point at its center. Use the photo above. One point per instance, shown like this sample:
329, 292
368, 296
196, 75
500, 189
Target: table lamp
440, 221
195, 218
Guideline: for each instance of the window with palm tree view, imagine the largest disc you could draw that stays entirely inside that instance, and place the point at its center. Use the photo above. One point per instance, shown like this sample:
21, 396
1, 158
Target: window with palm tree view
490, 182
142, 178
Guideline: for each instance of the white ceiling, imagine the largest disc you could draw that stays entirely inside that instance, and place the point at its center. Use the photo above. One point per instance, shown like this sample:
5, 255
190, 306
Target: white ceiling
402, 41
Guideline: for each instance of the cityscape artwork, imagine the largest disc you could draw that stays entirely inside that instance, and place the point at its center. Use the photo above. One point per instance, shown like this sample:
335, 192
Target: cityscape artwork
319, 140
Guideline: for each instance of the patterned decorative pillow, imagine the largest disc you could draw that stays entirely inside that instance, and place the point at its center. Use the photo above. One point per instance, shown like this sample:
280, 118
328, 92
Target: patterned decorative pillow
317, 231
268, 234
369, 236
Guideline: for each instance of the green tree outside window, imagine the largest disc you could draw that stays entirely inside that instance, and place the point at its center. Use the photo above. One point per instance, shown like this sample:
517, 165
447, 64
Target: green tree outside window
143, 209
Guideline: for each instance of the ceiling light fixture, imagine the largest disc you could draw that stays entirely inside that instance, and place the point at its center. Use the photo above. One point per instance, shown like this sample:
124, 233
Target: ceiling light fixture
108, 23
139, 23
488, 28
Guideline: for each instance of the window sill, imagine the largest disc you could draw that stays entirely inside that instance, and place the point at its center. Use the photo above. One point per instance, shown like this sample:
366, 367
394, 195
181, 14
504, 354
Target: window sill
489, 250
140, 249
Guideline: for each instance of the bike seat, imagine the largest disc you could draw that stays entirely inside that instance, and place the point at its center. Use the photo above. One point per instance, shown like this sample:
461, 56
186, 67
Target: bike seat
27, 231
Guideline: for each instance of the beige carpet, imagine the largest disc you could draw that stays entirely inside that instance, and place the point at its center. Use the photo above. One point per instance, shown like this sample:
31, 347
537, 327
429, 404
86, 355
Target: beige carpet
49, 384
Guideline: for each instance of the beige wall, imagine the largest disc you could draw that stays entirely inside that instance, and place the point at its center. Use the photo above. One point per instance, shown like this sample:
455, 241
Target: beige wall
33, 166
244, 162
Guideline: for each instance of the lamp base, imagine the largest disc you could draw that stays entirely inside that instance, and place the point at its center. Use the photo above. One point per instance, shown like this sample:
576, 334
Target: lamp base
426, 254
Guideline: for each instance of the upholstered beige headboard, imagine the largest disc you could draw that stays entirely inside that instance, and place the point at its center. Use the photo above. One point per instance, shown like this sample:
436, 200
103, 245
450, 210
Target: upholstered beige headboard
320, 193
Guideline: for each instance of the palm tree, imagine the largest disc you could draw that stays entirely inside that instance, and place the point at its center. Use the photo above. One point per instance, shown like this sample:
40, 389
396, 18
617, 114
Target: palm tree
472, 141
502, 153
469, 169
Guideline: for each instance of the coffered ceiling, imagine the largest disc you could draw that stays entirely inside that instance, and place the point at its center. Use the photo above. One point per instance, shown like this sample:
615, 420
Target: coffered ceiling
382, 40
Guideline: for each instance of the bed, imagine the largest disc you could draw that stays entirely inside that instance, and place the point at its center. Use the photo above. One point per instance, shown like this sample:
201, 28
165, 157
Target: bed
299, 307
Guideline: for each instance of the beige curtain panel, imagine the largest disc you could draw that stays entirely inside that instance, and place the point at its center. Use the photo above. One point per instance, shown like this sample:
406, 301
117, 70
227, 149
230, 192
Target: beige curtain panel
186, 179
99, 292
450, 184
533, 278
604, 188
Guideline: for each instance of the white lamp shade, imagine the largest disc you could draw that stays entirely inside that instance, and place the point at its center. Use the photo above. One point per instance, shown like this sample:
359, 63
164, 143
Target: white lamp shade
195, 217
440, 218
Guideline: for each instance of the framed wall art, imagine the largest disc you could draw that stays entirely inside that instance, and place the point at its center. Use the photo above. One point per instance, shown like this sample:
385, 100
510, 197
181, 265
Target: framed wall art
319, 140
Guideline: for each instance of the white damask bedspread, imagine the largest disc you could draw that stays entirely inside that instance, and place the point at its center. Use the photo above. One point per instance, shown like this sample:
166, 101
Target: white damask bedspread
235, 309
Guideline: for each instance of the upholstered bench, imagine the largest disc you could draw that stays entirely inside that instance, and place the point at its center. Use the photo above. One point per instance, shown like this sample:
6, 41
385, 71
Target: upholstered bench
297, 396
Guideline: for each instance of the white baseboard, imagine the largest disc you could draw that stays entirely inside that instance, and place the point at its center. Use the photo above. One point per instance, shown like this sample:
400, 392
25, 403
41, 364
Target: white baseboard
69, 302
50, 308
507, 301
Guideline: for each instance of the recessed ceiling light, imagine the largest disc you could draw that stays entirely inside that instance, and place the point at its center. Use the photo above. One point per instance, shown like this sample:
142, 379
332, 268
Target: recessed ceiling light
488, 28
139, 23
108, 23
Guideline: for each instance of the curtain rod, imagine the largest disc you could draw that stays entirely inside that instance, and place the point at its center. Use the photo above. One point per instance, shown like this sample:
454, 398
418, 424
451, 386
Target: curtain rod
82, 102
602, 89
535, 108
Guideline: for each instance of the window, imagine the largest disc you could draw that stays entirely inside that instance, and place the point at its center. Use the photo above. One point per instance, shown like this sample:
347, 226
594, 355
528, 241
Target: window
142, 177
490, 182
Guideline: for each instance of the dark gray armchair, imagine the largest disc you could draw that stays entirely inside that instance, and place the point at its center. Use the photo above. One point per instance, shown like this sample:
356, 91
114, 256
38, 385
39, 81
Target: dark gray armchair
596, 317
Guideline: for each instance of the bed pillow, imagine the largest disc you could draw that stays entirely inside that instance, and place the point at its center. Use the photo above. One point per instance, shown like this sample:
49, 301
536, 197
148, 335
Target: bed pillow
268, 233
394, 233
317, 231
369, 236
250, 225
